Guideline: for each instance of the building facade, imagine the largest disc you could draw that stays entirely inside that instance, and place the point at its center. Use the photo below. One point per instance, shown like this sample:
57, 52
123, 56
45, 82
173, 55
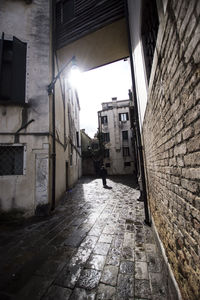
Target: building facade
115, 133
27, 117
164, 37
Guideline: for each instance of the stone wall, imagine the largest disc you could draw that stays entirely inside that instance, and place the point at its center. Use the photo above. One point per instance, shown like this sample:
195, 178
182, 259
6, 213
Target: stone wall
172, 143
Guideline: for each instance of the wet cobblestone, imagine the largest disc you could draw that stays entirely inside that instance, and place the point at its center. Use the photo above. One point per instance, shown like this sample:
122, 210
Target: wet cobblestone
94, 247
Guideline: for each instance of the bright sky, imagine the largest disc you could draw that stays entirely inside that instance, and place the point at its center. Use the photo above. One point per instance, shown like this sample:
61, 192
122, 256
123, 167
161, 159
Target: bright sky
100, 85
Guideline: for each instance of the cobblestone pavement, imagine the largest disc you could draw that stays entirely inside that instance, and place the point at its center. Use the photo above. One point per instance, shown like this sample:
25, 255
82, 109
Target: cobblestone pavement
95, 246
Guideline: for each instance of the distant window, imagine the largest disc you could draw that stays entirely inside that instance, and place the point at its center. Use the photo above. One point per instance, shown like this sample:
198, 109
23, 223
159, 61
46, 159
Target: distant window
106, 153
126, 151
107, 165
125, 135
11, 160
123, 117
12, 70
127, 164
106, 137
104, 120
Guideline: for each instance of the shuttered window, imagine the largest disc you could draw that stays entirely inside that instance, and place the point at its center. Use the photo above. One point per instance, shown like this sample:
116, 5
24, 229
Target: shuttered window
149, 30
12, 70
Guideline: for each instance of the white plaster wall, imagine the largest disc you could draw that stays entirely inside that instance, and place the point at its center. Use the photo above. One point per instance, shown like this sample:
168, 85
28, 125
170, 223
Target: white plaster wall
31, 24
18, 191
134, 7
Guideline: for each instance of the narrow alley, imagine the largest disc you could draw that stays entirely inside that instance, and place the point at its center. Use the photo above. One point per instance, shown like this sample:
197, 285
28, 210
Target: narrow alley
94, 246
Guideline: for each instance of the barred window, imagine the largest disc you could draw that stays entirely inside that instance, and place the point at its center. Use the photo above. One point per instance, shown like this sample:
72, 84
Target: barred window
11, 160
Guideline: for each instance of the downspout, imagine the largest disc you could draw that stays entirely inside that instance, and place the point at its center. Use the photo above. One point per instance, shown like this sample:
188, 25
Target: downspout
140, 151
53, 112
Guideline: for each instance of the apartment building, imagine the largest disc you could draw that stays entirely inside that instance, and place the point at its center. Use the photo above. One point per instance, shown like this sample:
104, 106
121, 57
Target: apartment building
115, 134
39, 122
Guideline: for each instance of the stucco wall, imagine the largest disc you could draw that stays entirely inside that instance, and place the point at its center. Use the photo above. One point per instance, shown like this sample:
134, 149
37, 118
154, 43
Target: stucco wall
172, 142
30, 23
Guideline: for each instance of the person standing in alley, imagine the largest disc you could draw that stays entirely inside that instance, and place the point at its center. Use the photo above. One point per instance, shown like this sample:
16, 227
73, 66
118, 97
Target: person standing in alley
103, 174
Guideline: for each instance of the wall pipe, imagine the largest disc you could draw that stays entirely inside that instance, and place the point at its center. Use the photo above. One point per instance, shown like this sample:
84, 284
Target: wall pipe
53, 155
138, 133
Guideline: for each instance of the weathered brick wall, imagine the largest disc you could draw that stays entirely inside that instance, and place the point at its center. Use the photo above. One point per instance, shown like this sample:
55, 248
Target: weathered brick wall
172, 144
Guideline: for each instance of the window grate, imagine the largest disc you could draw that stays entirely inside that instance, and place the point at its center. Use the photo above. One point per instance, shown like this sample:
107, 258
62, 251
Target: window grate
11, 160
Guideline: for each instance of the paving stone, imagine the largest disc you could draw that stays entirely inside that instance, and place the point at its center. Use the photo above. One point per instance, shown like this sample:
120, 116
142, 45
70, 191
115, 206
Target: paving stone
69, 276
127, 267
58, 293
96, 262
150, 248
140, 256
125, 287
81, 256
141, 271
129, 239
106, 238
101, 248
142, 289
158, 286
89, 242
74, 240
128, 253
34, 289
50, 268
81, 294
106, 292
154, 262
92, 243
109, 275
89, 279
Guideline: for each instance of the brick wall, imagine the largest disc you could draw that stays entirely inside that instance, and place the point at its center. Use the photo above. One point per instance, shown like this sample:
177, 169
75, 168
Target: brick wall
172, 143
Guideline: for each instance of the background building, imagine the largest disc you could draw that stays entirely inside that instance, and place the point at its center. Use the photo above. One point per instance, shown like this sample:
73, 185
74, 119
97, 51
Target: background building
115, 133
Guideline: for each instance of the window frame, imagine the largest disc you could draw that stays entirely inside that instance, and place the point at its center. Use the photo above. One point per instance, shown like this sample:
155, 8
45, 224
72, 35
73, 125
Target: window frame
123, 117
24, 146
106, 134
104, 120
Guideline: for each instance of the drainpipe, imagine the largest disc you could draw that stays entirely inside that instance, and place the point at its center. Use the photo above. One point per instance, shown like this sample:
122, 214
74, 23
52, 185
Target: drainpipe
139, 141
53, 112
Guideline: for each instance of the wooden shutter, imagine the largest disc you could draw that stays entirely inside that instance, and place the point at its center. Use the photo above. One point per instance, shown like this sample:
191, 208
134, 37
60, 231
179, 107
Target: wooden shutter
18, 71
